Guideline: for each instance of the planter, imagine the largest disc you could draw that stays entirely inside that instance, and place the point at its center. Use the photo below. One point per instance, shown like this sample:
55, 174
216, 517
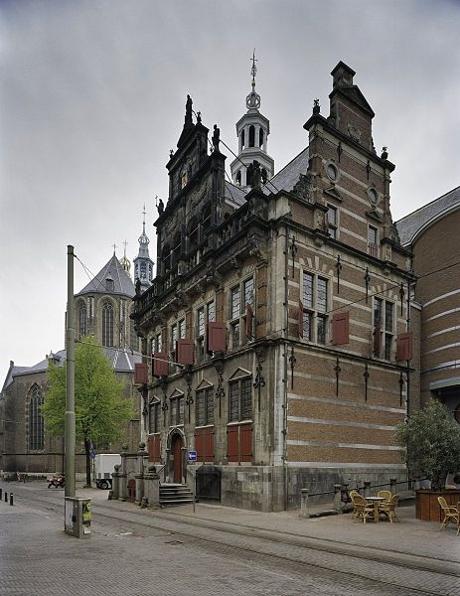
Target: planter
426, 503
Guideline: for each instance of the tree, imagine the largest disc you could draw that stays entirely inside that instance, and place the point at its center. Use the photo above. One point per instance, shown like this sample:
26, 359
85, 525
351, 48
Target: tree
432, 441
100, 408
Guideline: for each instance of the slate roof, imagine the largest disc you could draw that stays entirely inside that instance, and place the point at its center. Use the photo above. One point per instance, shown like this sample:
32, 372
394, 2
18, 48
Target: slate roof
410, 225
234, 195
122, 283
287, 178
122, 360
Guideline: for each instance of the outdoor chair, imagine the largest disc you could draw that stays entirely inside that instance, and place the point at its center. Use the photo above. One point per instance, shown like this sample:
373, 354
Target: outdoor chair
352, 493
386, 494
361, 508
389, 507
450, 514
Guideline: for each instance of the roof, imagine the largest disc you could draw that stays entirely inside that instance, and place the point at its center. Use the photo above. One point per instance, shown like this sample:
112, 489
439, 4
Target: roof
113, 269
288, 177
234, 195
410, 226
121, 359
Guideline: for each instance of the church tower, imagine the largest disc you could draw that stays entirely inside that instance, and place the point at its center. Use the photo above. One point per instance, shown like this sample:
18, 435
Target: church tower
252, 130
143, 264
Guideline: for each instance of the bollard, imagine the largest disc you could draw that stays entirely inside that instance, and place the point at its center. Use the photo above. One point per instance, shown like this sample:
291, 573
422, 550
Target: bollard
304, 506
338, 505
11, 499
393, 485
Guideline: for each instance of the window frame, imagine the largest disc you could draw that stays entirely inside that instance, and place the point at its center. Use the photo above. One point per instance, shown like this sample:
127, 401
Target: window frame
177, 406
205, 397
36, 423
387, 330
237, 312
334, 226
315, 307
155, 406
238, 383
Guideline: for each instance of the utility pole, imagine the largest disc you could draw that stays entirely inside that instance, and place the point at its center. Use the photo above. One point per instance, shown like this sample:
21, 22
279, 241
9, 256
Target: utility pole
69, 435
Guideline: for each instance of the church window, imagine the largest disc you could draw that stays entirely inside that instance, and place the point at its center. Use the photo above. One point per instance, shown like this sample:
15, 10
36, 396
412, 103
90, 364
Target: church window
242, 139
238, 177
252, 134
183, 179
264, 176
82, 320
36, 424
90, 301
261, 137
107, 325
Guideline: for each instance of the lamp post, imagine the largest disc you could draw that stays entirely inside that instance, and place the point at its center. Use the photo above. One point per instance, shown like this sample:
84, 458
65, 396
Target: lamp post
69, 433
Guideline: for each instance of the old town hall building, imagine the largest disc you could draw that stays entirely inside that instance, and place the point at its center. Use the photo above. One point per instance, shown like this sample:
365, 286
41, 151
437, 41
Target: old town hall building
275, 333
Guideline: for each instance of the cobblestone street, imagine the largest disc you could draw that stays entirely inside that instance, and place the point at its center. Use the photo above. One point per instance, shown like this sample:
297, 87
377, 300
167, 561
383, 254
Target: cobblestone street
215, 550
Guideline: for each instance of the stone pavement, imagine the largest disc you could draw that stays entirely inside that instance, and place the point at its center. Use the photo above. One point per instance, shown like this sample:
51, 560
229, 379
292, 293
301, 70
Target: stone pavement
217, 549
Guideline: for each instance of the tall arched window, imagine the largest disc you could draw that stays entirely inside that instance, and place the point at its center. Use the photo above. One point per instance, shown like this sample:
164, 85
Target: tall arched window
252, 134
36, 426
242, 139
261, 137
82, 319
107, 325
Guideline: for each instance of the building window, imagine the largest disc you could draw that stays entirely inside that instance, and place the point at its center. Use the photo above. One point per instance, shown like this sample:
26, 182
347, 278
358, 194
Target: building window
90, 303
252, 135
176, 410
261, 137
36, 425
157, 343
240, 296
109, 286
383, 327
372, 241
181, 329
240, 400
183, 179
107, 325
332, 221
154, 416
134, 341
315, 306
82, 330
143, 275
172, 347
242, 139
204, 407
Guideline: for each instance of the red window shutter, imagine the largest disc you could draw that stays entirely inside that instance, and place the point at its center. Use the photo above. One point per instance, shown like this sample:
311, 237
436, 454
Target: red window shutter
232, 443
246, 442
377, 340
209, 444
216, 337
248, 322
300, 319
160, 364
154, 448
341, 328
404, 346
141, 375
185, 350
199, 445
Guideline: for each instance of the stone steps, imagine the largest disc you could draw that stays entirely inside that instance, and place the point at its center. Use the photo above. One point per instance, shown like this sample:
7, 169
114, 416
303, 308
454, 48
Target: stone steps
175, 494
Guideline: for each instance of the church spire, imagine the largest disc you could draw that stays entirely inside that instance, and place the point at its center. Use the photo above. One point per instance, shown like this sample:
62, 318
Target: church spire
125, 262
143, 264
252, 130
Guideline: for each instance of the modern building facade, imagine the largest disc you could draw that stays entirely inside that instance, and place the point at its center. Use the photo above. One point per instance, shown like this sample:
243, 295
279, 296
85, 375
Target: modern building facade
276, 329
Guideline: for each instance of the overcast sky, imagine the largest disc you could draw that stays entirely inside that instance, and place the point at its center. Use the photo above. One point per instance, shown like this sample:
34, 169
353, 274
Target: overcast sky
92, 99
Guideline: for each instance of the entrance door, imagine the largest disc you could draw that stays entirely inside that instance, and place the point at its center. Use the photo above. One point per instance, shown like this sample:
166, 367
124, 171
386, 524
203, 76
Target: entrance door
176, 450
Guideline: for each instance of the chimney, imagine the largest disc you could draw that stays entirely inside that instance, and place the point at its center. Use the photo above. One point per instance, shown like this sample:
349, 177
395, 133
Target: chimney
342, 75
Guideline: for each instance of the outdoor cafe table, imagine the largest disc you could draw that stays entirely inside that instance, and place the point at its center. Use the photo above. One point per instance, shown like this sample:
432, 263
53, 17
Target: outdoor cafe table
375, 501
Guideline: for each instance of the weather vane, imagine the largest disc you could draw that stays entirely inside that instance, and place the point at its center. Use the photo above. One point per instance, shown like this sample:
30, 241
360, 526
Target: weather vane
254, 68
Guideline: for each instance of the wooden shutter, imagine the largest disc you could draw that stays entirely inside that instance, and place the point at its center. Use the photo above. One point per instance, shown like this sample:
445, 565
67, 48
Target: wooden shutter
341, 328
199, 444
215, 337
246, 442
300, 319
185, 351
160, 364
154, 448
404, 346
248, 321
141, 374
232, 443
208, 444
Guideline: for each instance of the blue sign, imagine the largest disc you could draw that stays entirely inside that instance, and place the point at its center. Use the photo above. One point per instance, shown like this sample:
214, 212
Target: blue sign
191, 456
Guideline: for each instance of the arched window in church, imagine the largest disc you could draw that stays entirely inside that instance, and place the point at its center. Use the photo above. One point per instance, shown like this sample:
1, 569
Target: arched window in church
82, 330
261, 137
252, 134
264, 175
36, 425
242, 139
238, 177
107, 325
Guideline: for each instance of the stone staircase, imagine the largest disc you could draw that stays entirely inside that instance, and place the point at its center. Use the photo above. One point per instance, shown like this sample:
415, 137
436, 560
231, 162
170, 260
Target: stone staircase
175, 494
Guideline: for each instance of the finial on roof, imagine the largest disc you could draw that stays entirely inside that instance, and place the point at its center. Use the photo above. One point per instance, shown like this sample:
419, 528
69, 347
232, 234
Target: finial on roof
143, 219
316, 106
188, 112
253, 99
125, 262
114, 248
